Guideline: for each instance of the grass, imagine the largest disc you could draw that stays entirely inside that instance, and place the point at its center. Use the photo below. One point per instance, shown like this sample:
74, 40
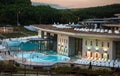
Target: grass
103, 72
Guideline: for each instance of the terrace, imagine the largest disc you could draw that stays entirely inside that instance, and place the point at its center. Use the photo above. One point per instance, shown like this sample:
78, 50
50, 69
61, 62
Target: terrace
17, 32
83, 32
99, 62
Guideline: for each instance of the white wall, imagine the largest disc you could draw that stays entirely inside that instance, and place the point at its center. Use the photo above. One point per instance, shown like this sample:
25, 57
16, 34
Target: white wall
39, 33
99, 48
63, 44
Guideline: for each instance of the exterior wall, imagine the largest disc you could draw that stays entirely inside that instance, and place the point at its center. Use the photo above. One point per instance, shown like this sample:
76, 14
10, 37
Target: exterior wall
119, 28
97, 49
6, 29
113, 54
119, 16
45, 34
39, 33
91, 47
63, 44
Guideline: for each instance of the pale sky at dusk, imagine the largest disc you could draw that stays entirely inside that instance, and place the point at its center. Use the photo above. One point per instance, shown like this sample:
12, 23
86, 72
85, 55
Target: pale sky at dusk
79, 3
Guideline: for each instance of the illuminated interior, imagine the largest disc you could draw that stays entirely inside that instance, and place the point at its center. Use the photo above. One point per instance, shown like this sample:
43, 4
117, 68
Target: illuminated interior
105, 49
105, 56
96, 47
88, 54
88, 47
96, 55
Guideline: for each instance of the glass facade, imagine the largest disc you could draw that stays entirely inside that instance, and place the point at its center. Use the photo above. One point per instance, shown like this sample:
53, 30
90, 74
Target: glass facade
117, 50
78, 44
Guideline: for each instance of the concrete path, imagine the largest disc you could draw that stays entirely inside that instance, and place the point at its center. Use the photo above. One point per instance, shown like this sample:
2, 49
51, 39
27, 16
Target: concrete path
29, 75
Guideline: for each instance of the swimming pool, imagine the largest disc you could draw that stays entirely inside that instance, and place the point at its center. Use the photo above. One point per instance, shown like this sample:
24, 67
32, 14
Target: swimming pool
18, 44
21, 45
1, 58
39, 57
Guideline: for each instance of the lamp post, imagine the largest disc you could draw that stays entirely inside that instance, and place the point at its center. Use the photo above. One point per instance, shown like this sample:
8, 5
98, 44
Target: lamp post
23, 61
4, 29
22, 53
37, 68
30, 58
18, 24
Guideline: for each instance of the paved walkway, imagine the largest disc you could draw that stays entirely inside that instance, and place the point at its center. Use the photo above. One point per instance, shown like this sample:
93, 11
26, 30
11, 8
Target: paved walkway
29, 75
8, 74
7, 57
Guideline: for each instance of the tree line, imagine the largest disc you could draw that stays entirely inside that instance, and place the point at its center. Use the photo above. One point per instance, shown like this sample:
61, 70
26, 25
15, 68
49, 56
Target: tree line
12, 11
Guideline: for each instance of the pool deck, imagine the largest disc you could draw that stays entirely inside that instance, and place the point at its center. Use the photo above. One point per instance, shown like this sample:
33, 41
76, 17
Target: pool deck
29, 63
44, 64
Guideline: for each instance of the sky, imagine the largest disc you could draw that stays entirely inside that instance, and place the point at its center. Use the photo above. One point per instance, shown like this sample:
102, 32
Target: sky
79, 3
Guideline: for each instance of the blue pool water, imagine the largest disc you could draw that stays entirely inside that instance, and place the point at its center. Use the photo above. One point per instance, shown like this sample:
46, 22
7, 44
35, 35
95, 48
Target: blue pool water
29, 55
1, 58
16, 44
22, 45
39, 57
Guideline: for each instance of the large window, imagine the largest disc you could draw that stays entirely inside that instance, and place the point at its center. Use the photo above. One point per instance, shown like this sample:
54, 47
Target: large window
105, 56
91, 43
102, 44
108, 44
88, 54
96, 43
117, 50
86, 42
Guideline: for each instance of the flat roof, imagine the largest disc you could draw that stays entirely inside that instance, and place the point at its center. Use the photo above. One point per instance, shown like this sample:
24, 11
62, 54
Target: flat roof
72, 32
96, 22
112, 25
104, 19
38, 39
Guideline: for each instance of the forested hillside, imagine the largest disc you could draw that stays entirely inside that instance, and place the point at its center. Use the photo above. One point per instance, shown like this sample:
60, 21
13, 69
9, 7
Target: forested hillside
98, 12
27, 14
15, 2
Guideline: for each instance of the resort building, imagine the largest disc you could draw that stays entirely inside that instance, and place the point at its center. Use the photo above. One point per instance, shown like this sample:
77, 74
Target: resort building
93, 39
117, 15
6, 29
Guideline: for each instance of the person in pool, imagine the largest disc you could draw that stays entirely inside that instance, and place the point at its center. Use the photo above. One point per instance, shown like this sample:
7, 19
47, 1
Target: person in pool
37, 56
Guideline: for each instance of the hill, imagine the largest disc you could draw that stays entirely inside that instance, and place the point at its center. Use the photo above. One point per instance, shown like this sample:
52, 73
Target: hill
13, 11
97, 12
